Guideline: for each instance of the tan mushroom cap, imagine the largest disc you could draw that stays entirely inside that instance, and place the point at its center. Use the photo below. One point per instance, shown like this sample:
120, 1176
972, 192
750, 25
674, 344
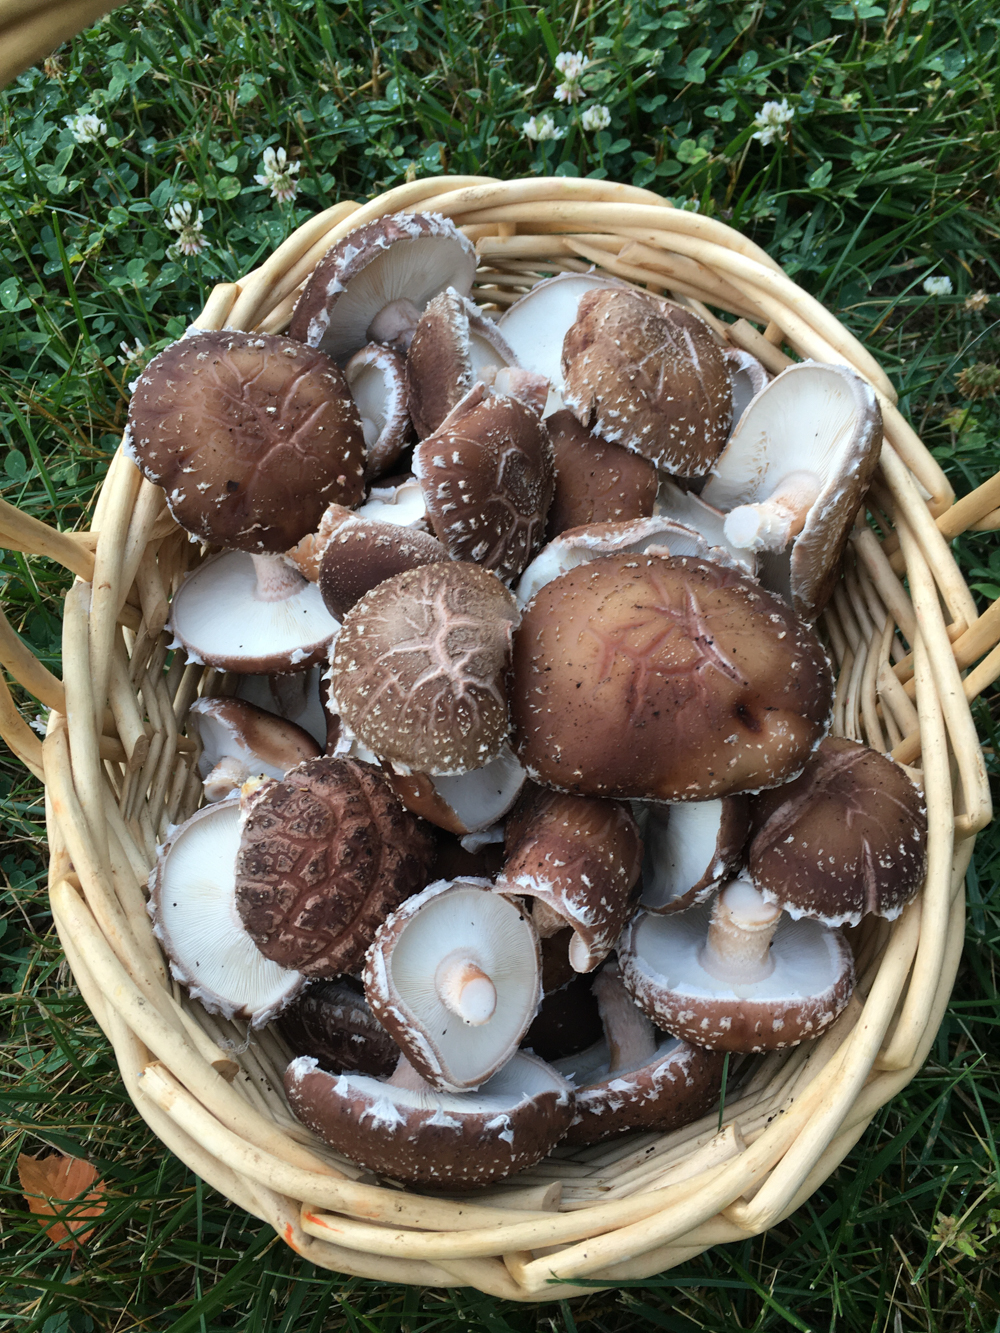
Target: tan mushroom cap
847, 837
324, 855
454, 976
373, 285
581, 856
487, 478
596, 482
362, 552
665, 678
250, 435
193, 906
794, 473
376, 376
420, 668
238, 740
425, 1137
810, 982
648, 375
455, 346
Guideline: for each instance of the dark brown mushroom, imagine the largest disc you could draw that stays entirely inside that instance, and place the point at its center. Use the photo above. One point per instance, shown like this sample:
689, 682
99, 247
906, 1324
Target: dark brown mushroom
331, 1021
325, 854
596, 482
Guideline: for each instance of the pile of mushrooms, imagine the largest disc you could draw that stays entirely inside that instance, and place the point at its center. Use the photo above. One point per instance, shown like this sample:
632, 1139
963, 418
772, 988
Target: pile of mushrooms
523, 809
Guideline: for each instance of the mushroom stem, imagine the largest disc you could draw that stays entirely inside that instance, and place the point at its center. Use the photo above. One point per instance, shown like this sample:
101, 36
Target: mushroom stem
738, 947
546, 919
228, 773
277, 578
771, 524
465, 989
405, 1076
630, 1035
395, 324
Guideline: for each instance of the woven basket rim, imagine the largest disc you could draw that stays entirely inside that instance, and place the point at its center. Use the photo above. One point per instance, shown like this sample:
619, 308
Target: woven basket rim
117, 769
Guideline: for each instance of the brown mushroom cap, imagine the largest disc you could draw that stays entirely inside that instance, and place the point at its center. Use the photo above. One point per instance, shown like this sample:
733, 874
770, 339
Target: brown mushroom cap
193, 907
581, 856
374, 283
324, 855
454, 976
810, 983
376, 376
454, 346
487, 479
634, 1078
294, 695
848, 836
239, 739
691, 847
648, 375
469, 803
363, 552
420, 667
426, 1137
332, 1022
667, 679
596, 482
251, 436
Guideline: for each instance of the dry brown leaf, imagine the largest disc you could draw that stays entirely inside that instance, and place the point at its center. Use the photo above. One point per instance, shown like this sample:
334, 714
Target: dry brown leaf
52, 1184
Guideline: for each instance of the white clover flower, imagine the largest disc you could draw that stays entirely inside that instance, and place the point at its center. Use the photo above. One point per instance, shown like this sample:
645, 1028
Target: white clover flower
182, 219
977, 301
131, 354
771, 120
277, 172
939, 286
541, 127
85, 127
571, 64
40, 722
596, 118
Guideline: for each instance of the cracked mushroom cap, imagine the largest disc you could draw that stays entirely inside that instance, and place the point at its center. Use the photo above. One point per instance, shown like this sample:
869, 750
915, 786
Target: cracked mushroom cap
226, 615
636, 1078
669, 679
488, 479
596, 482
794, 473
331, 1021
454, 347
691, 848
240, 740
251, 436
847, 837
807, 977
420, 668
324, 855
425, 1137
581, 857
360, 553
376, 377
374, 284
454, 976
192, 903
650, 376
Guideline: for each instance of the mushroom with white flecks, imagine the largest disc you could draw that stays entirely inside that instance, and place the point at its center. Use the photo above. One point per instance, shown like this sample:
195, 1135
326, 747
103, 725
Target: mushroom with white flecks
739, 976
577, 858
793, 474
635, 1078
406, 1130
374, 284
240, 740
420, 668
454, 976
847, 837
193, 906
331, 1021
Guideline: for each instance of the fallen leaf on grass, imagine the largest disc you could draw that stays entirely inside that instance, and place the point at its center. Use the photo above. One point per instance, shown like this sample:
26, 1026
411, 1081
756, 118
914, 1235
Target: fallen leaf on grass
51, 1187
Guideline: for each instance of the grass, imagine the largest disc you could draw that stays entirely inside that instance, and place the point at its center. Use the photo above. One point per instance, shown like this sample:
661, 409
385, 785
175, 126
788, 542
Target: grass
882, 178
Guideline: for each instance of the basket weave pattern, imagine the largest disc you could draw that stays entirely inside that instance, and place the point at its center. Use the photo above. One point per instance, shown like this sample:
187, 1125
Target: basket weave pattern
118, 770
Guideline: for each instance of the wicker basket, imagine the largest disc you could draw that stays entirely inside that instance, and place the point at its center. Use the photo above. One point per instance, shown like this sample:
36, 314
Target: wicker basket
118, 769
